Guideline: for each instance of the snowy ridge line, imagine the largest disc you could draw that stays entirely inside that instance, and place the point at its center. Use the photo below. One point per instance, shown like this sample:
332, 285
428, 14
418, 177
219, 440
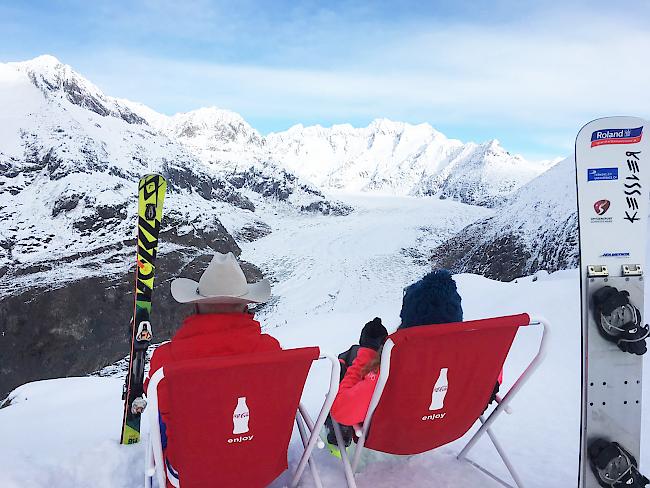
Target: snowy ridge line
385, 157
402, 159
60, 143
70, 157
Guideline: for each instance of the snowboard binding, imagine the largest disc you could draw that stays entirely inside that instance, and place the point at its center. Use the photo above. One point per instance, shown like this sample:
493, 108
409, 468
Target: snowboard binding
613, 466
619, 321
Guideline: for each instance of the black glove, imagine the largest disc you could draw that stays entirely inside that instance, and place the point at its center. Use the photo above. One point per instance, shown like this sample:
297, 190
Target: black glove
373, 334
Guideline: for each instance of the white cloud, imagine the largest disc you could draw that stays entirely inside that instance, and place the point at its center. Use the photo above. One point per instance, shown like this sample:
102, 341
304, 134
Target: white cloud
543, 77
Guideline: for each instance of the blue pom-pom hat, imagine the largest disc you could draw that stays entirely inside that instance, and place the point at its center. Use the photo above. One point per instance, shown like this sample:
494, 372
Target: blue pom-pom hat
432, 300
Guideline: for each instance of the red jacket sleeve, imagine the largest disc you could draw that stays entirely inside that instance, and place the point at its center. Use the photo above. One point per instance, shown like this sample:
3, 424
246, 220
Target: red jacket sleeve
351, 403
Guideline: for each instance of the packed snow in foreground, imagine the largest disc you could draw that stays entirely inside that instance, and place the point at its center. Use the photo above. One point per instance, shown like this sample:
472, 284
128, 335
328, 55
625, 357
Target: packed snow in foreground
332, 276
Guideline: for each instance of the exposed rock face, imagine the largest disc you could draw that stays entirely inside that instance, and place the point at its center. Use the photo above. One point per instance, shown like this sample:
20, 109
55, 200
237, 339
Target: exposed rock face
81, 327
537, 228
66, 202
503, 259
250, 233
208, 187
327, 208
272, 182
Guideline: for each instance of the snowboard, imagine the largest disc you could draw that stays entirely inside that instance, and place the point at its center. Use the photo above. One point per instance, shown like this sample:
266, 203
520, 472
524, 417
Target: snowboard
612, 156
151, 194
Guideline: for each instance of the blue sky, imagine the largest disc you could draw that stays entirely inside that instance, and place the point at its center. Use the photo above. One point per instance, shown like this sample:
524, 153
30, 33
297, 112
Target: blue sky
527, 73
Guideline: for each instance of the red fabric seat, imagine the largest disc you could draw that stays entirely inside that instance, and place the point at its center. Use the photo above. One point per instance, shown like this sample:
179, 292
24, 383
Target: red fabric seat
414, 409
213, 447
472, 352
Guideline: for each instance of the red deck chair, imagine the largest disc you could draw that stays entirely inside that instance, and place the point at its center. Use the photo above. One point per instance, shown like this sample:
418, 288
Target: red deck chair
231, 419
415, 409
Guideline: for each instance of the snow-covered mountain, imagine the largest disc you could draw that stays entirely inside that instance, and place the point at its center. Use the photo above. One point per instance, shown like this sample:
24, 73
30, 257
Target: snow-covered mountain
231, 148
535, 229
218, 137
70, 164
385, 157
71, 156
213, 133
70, 159
402, 159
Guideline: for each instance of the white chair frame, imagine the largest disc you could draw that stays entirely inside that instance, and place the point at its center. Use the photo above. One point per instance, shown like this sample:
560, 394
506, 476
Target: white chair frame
502, 405
154, 462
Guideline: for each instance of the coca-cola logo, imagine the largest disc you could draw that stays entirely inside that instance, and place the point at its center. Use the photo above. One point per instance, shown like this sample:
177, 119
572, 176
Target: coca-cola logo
601, 207
240, 417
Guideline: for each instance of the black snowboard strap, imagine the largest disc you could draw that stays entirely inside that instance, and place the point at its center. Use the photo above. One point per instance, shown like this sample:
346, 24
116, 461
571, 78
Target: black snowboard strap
630, 336
614, 467
635, 334
613, 300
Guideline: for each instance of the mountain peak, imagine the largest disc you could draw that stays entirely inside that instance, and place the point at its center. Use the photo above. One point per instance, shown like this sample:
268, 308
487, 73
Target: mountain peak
494, 146
52, 77
210, 125
43, 60
386, 125
211, 115
47, 68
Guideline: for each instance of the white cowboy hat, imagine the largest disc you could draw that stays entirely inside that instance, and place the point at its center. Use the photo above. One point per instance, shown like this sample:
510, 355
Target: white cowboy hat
223, 281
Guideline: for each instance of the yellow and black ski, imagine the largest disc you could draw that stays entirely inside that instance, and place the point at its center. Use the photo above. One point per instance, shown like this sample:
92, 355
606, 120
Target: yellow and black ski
151, 194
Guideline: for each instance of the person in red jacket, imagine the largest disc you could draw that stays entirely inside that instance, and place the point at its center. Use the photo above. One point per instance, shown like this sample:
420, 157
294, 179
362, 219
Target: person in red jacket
220, 326
433, 299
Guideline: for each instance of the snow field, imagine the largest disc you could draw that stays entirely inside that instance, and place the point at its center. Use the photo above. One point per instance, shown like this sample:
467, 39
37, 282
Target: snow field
65, 433
330, 276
